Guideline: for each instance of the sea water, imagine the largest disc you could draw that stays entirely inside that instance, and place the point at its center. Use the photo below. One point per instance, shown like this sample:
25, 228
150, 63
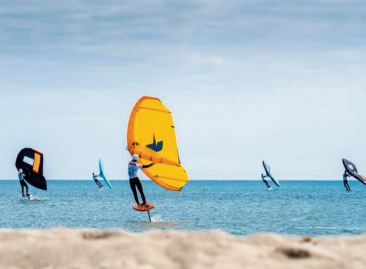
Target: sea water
238, 207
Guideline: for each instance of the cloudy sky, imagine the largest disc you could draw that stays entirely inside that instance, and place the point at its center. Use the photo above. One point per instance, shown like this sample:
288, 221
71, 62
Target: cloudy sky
283, 81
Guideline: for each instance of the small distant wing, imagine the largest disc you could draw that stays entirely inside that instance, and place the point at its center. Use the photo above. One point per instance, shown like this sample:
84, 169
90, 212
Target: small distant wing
31, 162
267, 169
101, 174
352, 171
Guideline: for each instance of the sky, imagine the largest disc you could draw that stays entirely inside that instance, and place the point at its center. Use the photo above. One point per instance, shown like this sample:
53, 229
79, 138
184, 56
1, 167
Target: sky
246, 81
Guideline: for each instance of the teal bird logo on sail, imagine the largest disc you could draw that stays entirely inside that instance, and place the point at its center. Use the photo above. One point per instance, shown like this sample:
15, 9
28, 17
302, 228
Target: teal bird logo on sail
155, 146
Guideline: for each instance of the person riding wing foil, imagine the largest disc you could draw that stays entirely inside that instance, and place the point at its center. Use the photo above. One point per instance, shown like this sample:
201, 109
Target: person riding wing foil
96, 180
265, 181
22, 183
345, 181
133, 168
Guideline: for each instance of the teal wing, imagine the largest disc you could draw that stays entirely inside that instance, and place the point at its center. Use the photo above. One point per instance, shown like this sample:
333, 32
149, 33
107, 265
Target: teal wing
101, 174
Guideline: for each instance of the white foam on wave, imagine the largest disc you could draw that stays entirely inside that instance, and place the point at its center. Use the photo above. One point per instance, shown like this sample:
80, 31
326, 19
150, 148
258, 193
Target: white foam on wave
157, 218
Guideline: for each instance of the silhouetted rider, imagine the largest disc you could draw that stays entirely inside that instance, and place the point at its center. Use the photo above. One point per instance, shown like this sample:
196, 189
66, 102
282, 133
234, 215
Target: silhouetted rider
345, 181
265, 181
96, 180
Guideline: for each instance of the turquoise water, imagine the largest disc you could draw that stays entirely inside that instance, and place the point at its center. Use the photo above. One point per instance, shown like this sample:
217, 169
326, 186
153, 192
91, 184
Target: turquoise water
238, 207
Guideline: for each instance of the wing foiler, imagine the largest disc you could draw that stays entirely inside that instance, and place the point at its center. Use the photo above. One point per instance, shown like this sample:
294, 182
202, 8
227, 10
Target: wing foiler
267, 170
351, 171
151, 135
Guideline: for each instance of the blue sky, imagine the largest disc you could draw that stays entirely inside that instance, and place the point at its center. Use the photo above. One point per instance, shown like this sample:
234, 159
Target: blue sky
282, 81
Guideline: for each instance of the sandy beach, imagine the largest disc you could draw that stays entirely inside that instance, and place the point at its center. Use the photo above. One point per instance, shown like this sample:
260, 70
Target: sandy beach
65, 248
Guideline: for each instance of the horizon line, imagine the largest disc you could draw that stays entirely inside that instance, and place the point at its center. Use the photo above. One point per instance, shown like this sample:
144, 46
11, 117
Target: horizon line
201, 179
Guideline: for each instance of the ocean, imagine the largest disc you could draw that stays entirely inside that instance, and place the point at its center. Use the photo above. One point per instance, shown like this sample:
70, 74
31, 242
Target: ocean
238, 207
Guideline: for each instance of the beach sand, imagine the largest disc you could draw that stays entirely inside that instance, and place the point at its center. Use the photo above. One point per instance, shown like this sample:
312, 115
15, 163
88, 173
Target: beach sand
66, 248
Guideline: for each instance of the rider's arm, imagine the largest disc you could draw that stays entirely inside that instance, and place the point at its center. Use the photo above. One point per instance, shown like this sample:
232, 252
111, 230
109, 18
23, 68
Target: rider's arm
148, 165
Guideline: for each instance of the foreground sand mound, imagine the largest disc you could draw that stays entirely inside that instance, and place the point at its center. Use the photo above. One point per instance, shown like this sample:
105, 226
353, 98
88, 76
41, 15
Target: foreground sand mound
64, 248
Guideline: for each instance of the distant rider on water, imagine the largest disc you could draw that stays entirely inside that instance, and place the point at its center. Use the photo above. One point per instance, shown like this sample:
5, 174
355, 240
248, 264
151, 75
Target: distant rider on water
96, 180
22, 183
265, 181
